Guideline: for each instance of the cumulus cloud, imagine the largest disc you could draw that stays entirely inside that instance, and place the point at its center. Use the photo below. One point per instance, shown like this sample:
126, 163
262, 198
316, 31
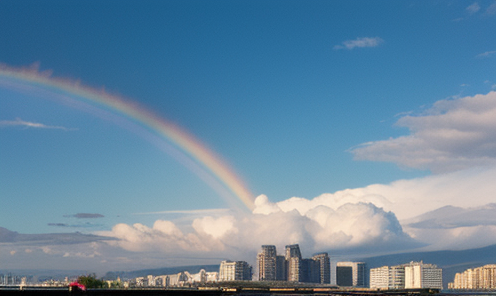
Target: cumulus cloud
360, 42
316, 228
28, 124
452, 135
377, 217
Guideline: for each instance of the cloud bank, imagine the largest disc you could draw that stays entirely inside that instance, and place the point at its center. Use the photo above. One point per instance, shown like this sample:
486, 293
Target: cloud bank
350, 226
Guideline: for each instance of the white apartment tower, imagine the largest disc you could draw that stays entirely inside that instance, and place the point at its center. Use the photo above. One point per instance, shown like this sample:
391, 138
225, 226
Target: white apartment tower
413, 275
419, 275
234, 271
379, 278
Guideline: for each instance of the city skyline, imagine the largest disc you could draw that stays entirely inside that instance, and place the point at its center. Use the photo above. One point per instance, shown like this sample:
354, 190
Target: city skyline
181, 132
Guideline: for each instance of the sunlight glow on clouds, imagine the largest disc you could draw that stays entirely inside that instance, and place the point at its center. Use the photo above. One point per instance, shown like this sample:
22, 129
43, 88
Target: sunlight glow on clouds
360, 42
352, 225
452, 135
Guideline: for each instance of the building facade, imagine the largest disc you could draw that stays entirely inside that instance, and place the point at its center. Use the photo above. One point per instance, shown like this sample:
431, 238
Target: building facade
419, 275
267, 260
379, 278
324, 267
480, 278
294, 263
234, 271
413, 275
359, 274
292, 267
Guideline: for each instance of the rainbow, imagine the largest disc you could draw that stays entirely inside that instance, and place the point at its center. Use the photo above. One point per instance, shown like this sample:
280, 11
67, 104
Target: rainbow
189, 151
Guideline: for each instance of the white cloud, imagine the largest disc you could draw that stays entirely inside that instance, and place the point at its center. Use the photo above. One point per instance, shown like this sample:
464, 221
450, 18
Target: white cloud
318, 228
486, 54
473, 8
360, 42
491, 9
452, 135
460, 238
27, 124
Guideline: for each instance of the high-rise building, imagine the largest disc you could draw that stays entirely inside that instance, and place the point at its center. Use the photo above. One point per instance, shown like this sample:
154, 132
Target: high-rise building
359, 274
310, 271
292, 267
294, 263
324, 267
420, 275
293, 251
267, 263
234, 271
281, 268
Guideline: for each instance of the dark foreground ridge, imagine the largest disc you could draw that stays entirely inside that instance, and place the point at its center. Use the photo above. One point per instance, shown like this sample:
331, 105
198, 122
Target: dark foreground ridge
211, 292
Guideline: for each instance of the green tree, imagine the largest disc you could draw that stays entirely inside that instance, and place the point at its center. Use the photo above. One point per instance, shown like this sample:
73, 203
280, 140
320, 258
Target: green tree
91, 282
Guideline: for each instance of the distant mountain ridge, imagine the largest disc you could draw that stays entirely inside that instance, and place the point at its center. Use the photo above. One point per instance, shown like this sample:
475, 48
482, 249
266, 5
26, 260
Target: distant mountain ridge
452, 217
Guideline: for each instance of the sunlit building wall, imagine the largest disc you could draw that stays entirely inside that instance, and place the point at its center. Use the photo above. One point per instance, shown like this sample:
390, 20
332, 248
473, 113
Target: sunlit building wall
234, 271
480, 278
379, 278
419, 275
266, 260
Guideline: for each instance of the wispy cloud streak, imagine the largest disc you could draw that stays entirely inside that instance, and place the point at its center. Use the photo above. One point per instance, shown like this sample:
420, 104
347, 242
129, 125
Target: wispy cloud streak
473, 8
28, 124
193, 212
360, 42
486, 54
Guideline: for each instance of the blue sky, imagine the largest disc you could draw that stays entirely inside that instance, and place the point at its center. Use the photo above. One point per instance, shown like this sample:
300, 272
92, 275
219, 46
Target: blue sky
284, 91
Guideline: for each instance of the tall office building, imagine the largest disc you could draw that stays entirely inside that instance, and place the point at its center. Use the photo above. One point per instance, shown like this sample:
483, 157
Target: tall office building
310, 271
292, 267
281, 268
294, 263
324, 267
293, 251
234, 271
359, 274
267, 262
